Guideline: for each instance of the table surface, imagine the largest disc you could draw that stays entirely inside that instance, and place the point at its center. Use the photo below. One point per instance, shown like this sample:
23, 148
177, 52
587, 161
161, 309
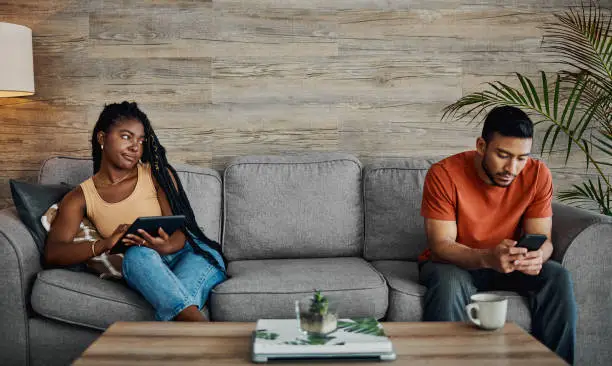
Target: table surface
229, 343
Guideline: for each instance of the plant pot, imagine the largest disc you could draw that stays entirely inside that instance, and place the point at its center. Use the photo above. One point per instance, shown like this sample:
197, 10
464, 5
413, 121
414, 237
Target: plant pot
316, 323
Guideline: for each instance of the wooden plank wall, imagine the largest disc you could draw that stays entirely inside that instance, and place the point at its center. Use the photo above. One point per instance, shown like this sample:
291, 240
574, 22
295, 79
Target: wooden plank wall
225, 78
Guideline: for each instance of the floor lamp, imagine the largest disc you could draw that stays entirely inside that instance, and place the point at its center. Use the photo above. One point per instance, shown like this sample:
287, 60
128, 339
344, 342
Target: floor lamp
16, 63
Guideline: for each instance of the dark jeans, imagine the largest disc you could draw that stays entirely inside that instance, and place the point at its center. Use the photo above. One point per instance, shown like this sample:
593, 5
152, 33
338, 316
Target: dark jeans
550, 295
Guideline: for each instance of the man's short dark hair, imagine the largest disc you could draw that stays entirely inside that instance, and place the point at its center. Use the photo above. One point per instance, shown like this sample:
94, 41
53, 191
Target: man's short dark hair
507, 121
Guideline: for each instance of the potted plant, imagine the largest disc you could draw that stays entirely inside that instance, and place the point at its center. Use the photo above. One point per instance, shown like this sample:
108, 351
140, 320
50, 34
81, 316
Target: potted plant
315, 315
576, 103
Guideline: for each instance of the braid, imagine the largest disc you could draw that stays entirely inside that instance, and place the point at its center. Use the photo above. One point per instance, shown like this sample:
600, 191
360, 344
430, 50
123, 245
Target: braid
155, 154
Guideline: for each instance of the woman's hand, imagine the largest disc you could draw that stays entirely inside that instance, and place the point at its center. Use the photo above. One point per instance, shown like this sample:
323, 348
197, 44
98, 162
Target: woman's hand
110, 242
163, 244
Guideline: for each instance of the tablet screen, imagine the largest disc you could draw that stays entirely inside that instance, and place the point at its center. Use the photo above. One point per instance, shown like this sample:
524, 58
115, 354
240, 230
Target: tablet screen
150, 224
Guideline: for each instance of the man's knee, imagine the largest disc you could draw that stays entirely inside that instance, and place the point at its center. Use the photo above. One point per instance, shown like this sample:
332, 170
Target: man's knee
447, 276
448, 282
554, 274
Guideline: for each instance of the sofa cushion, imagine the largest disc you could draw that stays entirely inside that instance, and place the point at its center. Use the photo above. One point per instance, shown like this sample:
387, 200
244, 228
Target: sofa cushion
304, 206
392, 202
269, 288
31, 202
86, 300
202, 186
405, 294
65, 169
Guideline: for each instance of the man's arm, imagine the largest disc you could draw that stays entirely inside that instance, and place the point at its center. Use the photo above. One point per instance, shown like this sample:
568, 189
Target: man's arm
442, 236
532, 263
537, 219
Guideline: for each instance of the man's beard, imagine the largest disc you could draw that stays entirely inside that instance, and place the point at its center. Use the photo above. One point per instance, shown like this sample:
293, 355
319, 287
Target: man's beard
491, 175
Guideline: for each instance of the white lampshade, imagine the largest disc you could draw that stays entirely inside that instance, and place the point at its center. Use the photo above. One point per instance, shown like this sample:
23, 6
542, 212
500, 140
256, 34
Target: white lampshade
16, 63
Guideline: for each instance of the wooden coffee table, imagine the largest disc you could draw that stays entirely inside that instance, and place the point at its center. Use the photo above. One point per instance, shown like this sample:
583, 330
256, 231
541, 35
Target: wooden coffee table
227, 343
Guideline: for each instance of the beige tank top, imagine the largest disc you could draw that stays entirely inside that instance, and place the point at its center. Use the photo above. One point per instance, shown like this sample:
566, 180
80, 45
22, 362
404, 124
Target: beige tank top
107, 216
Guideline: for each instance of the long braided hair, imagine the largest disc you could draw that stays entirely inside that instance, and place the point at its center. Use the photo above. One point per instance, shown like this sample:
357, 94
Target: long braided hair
154, 154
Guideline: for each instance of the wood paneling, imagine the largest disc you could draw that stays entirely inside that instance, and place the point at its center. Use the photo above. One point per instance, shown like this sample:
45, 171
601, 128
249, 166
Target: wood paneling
225, 78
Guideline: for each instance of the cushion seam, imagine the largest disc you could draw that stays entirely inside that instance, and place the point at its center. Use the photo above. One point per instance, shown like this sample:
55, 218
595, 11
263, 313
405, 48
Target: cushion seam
217, 178
364, 252
60, 319
383, 286
380, 275
355, 161
394, 288
89, 294
369, 170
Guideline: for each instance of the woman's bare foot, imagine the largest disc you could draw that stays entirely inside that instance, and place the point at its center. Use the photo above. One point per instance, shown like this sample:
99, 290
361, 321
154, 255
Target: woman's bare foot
190, 314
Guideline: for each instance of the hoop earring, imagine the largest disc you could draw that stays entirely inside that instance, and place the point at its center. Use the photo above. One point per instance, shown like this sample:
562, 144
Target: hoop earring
101, 147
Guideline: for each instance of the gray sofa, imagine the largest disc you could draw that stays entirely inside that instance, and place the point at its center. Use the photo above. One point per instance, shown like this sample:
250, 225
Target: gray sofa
288, 224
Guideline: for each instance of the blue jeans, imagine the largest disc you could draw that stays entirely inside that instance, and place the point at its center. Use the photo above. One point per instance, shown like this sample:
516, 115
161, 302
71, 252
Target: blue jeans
550, 295
171, 283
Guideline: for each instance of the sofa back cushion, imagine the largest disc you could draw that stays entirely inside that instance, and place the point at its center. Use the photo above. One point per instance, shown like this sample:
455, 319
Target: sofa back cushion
293, 206
393, 190
202, 186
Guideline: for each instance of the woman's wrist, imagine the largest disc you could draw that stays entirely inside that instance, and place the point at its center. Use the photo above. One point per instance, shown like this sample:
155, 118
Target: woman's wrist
93, 249
176, 243
101, 246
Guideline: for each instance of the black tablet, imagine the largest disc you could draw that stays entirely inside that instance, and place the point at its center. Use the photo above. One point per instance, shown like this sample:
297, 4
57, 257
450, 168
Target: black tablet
150, 224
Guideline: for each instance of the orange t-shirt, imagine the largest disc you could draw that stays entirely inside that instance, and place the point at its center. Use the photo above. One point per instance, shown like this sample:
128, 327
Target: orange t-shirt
485, 214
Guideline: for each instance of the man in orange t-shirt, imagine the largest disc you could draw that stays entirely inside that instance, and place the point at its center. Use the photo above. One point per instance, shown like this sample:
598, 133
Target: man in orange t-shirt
476, 205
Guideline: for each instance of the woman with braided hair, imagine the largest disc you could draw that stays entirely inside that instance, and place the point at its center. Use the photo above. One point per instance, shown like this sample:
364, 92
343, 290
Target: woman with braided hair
132, 178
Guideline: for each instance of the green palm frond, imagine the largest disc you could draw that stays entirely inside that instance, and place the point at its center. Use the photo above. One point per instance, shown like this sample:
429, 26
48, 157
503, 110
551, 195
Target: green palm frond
593, 93
312, 339
587, 194
577, 103
603, 143
364, 326
561, 112
264, 334
582, 37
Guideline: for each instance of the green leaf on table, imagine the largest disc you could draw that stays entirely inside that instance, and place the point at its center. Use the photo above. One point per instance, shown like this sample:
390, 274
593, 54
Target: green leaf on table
264, 334
363, 326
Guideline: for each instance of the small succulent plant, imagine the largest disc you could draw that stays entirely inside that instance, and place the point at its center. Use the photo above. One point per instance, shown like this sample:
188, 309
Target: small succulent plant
318, 304
316, 317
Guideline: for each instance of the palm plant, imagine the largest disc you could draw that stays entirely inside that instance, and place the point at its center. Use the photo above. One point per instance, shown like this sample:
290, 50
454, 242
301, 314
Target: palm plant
577, 104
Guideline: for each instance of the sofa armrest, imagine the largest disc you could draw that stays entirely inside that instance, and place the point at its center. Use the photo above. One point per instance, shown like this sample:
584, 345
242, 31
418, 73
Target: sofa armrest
568, 225
20, 261
583, 245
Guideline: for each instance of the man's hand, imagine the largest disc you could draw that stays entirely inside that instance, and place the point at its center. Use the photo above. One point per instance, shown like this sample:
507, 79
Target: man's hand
503, 257
531, 264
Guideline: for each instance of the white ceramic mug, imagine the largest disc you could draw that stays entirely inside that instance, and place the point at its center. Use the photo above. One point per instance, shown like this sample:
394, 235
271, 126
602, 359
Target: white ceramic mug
487, 311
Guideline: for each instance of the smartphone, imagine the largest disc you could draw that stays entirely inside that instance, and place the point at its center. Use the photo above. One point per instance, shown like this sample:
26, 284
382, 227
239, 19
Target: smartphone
532, 241
150, 224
